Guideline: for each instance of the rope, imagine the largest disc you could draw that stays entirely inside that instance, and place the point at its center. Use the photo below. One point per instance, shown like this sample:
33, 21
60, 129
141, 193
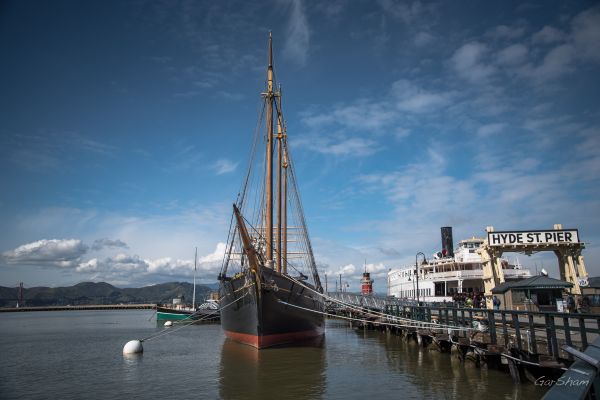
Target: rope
503, 355
377, 313
415, 324
167, 330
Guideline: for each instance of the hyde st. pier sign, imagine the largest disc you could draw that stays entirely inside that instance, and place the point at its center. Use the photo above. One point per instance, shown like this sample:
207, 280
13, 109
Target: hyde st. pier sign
550, 237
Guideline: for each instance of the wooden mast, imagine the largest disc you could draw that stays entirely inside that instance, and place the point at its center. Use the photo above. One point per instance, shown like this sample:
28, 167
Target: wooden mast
284, 217
269, 160
279, 194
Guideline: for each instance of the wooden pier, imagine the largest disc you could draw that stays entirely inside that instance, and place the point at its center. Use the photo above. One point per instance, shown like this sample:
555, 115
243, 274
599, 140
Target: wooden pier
82, 307
525, 344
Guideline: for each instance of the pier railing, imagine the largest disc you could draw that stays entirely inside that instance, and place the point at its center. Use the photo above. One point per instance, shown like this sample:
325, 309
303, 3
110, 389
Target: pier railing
373, 302
534, 332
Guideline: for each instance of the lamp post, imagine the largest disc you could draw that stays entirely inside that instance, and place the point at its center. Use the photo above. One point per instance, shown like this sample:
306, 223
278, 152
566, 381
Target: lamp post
417, 270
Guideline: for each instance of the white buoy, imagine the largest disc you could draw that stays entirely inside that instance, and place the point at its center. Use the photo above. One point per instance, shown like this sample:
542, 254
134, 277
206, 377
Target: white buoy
133, 347
168, 323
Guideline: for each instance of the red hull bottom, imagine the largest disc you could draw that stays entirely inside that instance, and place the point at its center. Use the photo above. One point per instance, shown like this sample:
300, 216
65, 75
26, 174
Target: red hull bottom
261, 342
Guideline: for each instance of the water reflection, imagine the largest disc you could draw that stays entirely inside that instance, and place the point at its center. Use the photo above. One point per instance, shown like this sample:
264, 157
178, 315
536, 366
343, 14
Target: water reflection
296, 372
440, 375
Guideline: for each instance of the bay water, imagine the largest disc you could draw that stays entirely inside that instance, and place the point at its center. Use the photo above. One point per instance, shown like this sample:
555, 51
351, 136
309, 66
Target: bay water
78, 355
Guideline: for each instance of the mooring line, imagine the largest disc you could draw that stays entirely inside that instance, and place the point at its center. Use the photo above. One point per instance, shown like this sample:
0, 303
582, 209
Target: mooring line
166, 331
377, 313
502, 355
415, 324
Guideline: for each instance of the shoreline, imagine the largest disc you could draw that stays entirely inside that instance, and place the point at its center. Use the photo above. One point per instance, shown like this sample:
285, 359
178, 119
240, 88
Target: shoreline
147, 306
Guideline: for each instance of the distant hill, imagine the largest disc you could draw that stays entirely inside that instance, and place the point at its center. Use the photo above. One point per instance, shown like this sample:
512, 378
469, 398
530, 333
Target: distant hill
103, 293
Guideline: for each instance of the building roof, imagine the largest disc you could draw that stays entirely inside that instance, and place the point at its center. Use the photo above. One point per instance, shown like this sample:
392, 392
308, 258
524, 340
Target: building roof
535, 282
502, 288
594, 282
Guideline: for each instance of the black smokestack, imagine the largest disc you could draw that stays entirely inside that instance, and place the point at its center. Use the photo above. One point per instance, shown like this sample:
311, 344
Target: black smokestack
447, 243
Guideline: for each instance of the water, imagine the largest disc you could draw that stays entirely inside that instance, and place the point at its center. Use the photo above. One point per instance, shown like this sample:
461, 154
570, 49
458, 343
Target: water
78, 355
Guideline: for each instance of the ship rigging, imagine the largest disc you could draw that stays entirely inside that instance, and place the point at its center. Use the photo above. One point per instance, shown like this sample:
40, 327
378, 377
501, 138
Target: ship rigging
269, 260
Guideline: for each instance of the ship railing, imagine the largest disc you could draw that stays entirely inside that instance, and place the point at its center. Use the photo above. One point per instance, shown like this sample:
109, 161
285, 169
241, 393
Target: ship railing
454, 274
517, 272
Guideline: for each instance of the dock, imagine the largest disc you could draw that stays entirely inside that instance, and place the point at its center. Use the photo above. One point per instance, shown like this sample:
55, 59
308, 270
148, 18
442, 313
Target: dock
526, 344
82, 307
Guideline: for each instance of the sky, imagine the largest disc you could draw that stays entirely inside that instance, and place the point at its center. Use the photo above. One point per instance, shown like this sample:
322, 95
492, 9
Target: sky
126, 128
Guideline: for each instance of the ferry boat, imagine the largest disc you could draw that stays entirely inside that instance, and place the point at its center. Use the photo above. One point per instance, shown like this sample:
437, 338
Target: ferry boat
448, 273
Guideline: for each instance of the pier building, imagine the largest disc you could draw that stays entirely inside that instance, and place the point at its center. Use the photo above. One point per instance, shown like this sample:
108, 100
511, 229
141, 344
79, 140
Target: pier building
564, 243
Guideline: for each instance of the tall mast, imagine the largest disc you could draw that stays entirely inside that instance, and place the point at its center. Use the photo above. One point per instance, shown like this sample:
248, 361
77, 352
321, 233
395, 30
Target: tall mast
194, 293
284, 200
269, 159
279, 194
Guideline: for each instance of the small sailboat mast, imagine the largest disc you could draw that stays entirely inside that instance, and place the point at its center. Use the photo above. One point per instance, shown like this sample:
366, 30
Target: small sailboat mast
194, 292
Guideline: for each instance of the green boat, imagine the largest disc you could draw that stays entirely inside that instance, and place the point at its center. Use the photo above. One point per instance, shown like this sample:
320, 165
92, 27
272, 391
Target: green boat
178, 311
175, 314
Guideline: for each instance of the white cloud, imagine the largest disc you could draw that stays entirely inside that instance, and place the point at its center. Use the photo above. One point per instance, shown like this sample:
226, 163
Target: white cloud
224, 166
506, 32
422, 39
412, 98
130, 268
231, 96
376, 268
339, 145
100, 244
346, 270
298, 35
586, 34
512, 55
62, 253
490, 129
469, 64
363, 115
345, 125
88, 266
407, 12
548, 35
215, 256
557, 62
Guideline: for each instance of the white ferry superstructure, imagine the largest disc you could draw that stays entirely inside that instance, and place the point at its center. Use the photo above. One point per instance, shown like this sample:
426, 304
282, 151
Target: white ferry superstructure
440, 278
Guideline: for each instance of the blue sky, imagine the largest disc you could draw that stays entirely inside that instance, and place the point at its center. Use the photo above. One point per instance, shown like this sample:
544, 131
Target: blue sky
126, 127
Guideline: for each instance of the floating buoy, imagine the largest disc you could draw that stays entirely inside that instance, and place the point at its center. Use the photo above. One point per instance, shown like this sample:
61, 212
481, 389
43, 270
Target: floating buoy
133, 347
168, 323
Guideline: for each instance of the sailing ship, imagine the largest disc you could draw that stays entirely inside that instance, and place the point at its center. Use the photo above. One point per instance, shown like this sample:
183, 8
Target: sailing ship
270, 291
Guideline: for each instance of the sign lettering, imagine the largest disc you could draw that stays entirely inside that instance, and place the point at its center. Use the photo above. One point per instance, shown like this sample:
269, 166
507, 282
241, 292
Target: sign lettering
533, 237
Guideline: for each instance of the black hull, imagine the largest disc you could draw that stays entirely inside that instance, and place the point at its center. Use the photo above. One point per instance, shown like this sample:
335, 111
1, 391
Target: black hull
261, 318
